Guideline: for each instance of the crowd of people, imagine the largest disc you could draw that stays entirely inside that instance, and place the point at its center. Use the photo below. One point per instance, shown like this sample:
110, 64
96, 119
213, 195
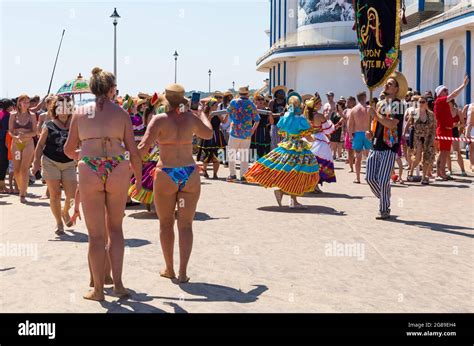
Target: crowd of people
156, 148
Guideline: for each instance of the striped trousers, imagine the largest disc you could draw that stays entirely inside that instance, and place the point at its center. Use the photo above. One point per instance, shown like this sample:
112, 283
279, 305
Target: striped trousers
379, 171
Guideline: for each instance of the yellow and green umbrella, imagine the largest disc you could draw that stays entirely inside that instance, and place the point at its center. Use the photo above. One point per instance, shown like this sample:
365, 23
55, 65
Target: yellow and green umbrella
75, 86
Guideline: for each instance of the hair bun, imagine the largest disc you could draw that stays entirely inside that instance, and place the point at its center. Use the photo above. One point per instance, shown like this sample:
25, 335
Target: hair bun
96, 70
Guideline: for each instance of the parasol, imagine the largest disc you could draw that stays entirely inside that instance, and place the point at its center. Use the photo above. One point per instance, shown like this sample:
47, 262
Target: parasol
75, 86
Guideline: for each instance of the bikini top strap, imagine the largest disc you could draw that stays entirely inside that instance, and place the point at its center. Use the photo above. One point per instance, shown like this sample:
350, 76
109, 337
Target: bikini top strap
104, 142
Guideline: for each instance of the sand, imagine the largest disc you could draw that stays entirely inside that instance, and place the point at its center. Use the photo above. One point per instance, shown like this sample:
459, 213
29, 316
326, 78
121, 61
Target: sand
251, 256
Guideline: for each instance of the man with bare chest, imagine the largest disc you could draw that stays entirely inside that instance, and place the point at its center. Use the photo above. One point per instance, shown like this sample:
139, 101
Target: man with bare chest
359, 120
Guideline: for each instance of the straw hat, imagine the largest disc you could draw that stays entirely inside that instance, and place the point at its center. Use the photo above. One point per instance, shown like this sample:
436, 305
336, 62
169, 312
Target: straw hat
228, 93
174, 94
144, 96
402, 84
278, 88
244, 90
218, 94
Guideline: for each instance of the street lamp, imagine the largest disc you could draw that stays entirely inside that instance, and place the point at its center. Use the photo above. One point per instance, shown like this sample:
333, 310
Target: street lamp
175, 66
115, 16
210, 72
233, 86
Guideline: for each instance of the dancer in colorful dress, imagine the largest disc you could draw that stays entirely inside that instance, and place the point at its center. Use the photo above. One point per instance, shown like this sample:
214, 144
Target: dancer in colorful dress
321, 146
291, 167
209, 149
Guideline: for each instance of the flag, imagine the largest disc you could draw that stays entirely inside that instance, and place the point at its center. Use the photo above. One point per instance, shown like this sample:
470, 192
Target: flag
378, 36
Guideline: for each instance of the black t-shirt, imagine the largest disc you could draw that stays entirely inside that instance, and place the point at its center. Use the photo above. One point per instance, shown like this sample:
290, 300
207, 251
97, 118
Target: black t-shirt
396, 113
54, 148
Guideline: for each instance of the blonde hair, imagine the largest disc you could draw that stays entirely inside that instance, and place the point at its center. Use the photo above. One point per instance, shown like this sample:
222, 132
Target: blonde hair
294, 101
101, 82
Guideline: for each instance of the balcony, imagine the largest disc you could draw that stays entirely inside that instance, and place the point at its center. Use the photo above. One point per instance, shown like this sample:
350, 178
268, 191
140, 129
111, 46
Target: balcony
417, 11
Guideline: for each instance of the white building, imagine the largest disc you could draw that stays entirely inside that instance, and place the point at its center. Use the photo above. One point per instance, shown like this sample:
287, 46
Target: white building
313, 47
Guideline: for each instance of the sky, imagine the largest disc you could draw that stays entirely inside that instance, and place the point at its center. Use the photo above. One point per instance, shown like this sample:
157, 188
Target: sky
226, 36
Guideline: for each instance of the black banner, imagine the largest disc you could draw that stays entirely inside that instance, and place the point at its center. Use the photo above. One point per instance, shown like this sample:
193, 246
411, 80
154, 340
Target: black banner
378, 36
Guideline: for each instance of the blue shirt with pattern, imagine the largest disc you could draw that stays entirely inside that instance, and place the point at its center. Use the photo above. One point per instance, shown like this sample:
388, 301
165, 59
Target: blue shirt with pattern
242, 112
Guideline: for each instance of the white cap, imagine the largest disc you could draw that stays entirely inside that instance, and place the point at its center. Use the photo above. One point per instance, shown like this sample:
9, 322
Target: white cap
440, 89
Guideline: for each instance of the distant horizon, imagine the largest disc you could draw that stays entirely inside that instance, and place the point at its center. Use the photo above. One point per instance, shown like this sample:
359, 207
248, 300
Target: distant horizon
204, 34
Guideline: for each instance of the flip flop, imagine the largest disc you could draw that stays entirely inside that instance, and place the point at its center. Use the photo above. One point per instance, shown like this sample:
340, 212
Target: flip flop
356, 182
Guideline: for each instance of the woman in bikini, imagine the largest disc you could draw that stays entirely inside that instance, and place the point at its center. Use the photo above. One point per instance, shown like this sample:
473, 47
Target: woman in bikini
22, 128
104, 168
177, 181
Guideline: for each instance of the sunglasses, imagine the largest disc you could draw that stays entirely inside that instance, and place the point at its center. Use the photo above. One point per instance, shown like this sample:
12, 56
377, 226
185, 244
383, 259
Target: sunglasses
422, 102
391, 84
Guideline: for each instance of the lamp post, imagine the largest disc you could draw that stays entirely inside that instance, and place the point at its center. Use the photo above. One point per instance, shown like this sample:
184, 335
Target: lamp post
233, 86
115, 17
210, 73
175, 66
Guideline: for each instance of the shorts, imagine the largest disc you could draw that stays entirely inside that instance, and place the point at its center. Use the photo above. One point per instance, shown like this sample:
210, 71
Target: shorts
52, 170
360, 142
445, 145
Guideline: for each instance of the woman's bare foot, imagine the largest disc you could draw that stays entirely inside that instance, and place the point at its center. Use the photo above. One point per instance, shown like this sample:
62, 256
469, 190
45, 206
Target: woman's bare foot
121, 292
59, 230
23, 200
3, 188
67, 219
93, 295
167, 274
278, 196
183, 279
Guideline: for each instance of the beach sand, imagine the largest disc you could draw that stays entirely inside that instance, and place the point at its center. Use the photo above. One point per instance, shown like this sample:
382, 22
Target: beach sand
251, 256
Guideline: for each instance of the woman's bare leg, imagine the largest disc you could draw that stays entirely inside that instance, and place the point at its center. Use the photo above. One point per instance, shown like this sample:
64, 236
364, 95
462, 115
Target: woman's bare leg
165, 197
471, 155
115, 199
187, 203
93, 205
26, 160
457, 149
417, 160
69, 187
55, 202
215, 166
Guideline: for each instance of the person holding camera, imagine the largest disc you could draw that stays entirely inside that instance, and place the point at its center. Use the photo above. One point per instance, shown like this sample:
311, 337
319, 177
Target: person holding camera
57, 168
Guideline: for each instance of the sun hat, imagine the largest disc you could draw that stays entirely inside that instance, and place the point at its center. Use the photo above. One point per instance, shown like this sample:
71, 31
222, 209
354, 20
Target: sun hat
244, 90
174, 94
402, 84
278, 88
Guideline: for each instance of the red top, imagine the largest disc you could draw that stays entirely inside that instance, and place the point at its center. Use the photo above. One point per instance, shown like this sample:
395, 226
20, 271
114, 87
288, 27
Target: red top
443, 114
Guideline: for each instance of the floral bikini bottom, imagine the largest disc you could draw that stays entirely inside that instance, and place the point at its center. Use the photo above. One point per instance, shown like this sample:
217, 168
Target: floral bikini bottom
103, 166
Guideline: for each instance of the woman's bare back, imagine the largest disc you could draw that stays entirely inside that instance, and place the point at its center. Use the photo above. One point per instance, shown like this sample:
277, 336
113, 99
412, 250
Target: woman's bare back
96, 125
174, 134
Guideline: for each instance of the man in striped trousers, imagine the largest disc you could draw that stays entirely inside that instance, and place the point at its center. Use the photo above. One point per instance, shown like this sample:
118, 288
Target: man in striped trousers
386, 132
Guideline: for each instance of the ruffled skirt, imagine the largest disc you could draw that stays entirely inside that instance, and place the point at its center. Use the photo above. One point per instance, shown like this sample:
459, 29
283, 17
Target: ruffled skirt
145, 196
322, 150
291, 167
